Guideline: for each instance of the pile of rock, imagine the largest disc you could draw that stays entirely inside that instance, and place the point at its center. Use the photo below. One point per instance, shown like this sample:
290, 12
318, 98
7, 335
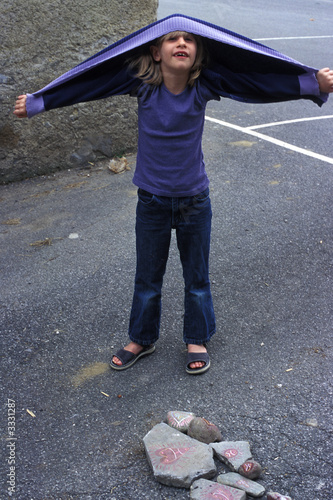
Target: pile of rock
181, 453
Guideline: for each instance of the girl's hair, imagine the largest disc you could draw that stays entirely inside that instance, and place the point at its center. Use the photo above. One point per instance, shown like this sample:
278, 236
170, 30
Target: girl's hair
149, 70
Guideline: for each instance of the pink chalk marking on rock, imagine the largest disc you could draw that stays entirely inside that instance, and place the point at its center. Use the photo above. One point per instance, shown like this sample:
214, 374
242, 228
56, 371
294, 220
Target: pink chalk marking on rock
220, 493
179, 419
248, 466
171, 455
243, 483
232, 453
250, 469
208, 490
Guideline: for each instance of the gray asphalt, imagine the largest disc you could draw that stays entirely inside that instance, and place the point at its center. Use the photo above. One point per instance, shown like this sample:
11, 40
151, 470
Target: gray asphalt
65, 303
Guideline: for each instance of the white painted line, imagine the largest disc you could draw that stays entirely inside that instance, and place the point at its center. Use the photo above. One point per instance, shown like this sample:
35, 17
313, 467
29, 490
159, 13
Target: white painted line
292, 38
277, 142
287, 122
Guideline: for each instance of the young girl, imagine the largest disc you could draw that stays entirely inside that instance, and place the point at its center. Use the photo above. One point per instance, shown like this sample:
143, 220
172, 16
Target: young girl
173, 83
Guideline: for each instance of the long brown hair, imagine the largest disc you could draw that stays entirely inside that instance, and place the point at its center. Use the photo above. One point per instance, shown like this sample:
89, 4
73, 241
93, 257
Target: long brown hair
148, 70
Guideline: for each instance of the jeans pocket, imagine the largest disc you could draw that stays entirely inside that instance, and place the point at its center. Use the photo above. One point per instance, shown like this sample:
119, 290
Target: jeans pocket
145, 197
201, 197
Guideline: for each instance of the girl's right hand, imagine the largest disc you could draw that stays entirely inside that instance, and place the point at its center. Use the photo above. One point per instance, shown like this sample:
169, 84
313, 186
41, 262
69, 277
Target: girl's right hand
325, 80
20, 107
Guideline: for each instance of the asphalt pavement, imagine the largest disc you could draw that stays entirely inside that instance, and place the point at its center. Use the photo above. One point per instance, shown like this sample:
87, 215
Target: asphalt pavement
67, 268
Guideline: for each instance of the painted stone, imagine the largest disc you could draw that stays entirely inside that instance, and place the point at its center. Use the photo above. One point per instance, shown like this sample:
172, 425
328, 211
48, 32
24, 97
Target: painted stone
232, 453
176, 459
250, 469
276, 496
179, 420
237, 481
204, 431
208, 490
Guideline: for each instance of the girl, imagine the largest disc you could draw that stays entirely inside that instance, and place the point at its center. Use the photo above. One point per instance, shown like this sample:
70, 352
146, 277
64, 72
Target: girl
173, 83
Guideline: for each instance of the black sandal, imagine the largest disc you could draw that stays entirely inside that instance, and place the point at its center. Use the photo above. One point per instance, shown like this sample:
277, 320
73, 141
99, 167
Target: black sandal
128, 358
192, 357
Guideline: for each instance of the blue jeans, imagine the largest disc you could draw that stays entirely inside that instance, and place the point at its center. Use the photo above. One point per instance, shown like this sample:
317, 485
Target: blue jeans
156, 216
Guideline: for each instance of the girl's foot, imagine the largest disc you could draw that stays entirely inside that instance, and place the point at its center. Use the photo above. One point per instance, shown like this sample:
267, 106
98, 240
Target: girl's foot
131, 347
196, 348
125, 358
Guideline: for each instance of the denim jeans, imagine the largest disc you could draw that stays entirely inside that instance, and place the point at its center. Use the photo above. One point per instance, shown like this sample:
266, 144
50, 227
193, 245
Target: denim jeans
156, 216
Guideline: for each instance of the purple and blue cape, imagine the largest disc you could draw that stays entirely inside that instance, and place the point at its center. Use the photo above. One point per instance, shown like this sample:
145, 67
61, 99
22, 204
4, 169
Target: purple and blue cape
233, 60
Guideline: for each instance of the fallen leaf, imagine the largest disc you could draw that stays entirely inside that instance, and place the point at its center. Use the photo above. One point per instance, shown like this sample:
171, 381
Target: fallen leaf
37, 195
119, 165
75, 185
41, 243
11, 222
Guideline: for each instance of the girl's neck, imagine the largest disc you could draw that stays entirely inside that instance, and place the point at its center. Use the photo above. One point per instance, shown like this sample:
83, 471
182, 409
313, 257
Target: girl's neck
175, 84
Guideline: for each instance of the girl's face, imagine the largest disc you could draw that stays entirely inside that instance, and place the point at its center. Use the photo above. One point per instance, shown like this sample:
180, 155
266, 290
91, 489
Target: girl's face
176, 54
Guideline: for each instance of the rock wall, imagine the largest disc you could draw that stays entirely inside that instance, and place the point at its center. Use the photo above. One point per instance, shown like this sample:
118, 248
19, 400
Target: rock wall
41, 40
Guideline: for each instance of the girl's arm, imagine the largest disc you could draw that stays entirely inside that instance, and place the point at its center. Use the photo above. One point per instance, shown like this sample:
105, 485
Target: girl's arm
272, 87
101, 82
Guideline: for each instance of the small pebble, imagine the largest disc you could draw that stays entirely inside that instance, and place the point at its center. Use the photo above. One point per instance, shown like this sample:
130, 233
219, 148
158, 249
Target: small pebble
276, 496
311, 422
179, 420
204, 431
250, 469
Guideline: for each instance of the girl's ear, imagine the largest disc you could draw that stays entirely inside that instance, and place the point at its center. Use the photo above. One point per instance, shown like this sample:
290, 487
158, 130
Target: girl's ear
155, 53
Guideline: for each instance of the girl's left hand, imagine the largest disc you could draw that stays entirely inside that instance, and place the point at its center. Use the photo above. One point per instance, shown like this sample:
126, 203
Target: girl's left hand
325, 80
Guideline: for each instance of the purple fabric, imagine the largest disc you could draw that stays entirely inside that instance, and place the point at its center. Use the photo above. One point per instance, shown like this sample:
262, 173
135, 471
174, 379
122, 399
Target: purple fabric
309, 86
162, 27
170, 159
103, 75
35, 105
307, 82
